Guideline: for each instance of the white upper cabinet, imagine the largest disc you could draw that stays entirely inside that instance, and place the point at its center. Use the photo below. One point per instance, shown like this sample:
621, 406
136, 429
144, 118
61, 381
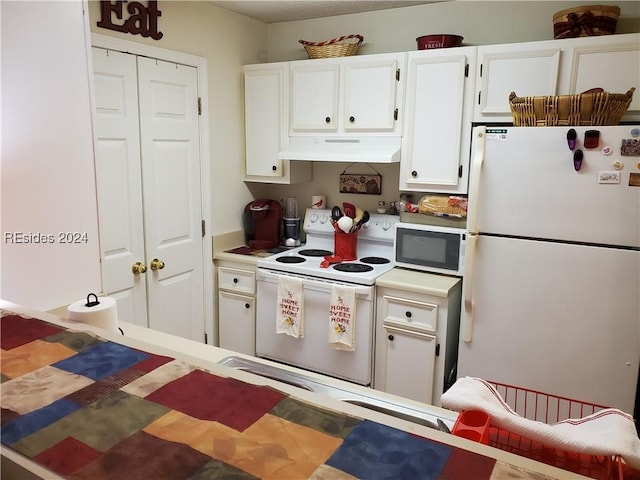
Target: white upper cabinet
555, 67
437, 129
611, 63
358, 95
267, 126
525, 68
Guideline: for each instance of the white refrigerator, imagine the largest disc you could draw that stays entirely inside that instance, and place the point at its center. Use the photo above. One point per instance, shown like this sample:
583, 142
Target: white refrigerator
551, 287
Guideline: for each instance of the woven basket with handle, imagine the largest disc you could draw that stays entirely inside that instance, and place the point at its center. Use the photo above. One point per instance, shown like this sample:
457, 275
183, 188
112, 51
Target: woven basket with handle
594, 107
344, 46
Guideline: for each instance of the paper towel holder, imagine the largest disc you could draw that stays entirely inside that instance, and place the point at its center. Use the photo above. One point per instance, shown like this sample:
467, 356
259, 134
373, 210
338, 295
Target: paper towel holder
92, 303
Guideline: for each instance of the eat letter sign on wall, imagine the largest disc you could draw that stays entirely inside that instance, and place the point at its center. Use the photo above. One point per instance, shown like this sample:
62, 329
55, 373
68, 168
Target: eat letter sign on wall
142, 20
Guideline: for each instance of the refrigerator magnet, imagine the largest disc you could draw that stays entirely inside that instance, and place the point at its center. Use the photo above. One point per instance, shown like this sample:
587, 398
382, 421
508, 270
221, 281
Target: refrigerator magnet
630, 147
572, 136
634, 179
591, 138
606, 151
577, 160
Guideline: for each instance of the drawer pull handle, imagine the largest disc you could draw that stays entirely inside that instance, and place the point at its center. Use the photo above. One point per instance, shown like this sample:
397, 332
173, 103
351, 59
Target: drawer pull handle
408, 314
390, 337
235, 280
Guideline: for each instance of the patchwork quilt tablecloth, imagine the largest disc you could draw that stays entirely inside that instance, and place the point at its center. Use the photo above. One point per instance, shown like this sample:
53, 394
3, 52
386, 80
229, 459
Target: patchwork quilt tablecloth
89, 408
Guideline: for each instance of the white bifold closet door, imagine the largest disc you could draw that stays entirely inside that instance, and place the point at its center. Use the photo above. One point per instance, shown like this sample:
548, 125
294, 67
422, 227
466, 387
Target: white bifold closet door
149, 191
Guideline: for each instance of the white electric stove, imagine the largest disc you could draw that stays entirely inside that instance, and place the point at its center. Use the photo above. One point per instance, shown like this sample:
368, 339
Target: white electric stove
312, 351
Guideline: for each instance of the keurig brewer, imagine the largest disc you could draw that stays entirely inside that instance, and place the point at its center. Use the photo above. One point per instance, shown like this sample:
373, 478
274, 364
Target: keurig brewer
262, 220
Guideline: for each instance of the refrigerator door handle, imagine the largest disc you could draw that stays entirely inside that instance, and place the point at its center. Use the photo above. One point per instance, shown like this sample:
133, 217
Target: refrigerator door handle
469, 261
479, 134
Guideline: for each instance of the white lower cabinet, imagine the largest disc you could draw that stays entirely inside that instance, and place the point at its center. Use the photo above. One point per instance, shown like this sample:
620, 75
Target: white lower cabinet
237, 308
417, 329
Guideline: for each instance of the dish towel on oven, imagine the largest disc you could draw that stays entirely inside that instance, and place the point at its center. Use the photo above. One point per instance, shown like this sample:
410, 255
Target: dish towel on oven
606, 432
342, 318
290, 306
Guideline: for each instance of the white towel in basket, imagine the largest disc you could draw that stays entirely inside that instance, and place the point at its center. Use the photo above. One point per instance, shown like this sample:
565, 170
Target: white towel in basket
290, 306
606, 432
342, 318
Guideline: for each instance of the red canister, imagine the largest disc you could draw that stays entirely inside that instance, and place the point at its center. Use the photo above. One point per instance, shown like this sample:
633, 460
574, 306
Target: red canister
441, 40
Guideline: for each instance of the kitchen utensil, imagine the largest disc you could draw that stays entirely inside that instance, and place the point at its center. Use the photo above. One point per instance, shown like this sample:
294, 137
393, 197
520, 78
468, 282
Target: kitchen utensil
365, 218
349, 209
358, 216
345, 223
336, 213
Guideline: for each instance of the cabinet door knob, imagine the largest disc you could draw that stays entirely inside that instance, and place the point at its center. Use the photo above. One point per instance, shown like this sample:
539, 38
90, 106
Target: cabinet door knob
246, 305
407, 314
327, 120
235, 280
352, 119
390, 337
414, 173
274, 168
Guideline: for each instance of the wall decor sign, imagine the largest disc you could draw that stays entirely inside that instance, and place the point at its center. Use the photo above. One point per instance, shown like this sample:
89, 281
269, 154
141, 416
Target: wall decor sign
361, 183
142, 20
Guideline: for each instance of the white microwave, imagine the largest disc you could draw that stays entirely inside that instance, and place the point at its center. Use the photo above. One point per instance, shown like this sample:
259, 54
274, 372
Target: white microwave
430, 248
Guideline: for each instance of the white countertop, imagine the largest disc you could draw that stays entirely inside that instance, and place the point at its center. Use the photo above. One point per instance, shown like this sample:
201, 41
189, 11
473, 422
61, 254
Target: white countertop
206, 357
418, 282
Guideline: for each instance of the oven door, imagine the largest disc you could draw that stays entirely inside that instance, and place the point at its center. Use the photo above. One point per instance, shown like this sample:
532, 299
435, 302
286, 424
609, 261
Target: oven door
313, 351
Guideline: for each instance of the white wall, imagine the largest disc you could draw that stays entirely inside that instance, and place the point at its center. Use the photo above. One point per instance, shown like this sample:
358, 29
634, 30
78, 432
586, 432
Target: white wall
48, 178
395, 30
228, 41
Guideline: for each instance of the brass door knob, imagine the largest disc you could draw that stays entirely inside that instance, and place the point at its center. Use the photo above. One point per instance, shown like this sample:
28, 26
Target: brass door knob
138, 268
156, 264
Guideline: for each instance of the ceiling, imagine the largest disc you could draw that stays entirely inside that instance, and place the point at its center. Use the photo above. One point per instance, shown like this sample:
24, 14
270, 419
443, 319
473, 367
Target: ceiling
272, 11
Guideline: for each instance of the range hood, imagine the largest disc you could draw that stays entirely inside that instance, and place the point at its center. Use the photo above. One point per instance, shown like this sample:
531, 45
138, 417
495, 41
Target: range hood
343, 149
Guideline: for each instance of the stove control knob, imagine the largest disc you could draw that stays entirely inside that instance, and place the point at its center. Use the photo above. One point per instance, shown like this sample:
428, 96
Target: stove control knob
313, 218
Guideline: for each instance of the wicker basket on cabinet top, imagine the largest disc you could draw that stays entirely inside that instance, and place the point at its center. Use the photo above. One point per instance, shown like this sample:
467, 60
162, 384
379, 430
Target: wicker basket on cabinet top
589, 108
336, 47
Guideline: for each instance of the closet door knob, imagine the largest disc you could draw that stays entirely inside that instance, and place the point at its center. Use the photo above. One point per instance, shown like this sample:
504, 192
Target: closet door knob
156, 264
138, 268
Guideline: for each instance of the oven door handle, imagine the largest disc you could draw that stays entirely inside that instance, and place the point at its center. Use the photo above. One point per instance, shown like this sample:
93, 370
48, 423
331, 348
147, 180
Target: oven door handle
315, 283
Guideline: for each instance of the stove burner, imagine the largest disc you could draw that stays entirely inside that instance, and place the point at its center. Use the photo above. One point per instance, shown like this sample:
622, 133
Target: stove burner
352, 267
314, 252
375, 260
290, 259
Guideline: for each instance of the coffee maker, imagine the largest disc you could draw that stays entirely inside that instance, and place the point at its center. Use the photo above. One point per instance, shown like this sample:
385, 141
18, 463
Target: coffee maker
262, 221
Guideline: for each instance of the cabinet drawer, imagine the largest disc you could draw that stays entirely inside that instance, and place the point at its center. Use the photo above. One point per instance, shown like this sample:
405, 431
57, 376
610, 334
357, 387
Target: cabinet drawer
236, 280
411, 313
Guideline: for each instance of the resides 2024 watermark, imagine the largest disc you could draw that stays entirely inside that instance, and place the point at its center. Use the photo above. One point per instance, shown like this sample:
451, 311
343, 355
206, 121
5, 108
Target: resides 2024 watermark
19, 238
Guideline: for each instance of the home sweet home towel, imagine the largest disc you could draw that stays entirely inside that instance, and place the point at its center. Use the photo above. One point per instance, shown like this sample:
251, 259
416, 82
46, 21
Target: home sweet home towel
290, 306
342, 318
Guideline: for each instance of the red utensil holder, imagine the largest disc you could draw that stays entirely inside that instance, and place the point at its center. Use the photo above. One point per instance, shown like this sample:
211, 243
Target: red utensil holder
345, 245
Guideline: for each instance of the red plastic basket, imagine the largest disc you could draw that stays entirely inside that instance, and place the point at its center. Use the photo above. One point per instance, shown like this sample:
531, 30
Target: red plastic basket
547, 408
